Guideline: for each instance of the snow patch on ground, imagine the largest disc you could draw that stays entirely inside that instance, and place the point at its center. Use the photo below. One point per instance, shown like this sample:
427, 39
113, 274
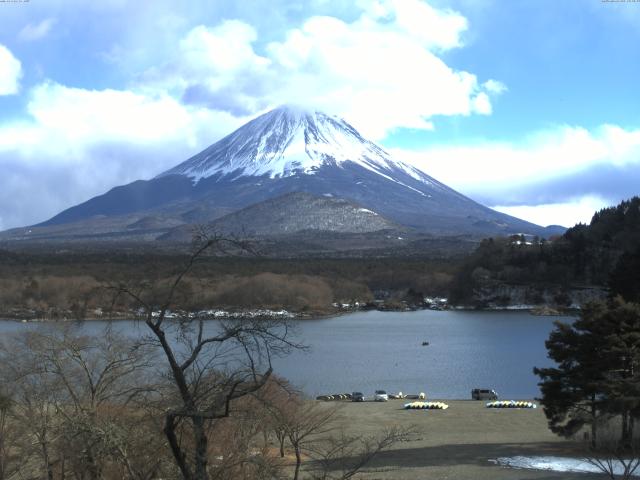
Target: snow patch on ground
366, 210
555, 464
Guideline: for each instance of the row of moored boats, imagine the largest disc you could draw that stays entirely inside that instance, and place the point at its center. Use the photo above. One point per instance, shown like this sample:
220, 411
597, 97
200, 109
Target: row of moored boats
511, 404
426, 406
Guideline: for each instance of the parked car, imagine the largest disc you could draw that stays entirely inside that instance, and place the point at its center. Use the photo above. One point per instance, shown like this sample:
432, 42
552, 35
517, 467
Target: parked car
483, 394
357, 397
381, 396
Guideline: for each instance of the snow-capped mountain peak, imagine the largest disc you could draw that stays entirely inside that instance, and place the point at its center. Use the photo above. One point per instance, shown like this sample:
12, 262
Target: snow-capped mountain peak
291, 151
290, 140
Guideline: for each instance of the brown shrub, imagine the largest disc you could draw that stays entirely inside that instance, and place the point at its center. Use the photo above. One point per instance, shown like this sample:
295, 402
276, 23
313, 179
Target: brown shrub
270, 289
349, 291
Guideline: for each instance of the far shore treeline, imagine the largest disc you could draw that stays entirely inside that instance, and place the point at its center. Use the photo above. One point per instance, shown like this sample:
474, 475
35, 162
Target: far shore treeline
587, 262
603, 257
73, 283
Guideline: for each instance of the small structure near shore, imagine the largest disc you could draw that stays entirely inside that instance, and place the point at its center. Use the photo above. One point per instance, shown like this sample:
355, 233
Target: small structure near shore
436, 303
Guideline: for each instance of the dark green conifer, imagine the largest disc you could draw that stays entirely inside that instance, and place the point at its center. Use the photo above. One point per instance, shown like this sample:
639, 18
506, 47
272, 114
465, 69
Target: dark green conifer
597, 376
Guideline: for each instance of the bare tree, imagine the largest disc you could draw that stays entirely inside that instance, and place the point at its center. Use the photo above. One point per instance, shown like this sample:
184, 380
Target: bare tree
5, 406
312, 431
9, 460
615, 458
277, 400
209, 368
342, 457
97, 373
71, 394
36, 395
303, 423
236, 452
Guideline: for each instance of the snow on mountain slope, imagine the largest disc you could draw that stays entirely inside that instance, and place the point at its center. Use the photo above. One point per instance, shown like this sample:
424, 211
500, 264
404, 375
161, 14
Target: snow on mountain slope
289, 150
288, 141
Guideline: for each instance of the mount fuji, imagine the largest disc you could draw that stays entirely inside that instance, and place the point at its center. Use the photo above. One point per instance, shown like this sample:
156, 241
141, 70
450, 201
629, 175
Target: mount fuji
315, 167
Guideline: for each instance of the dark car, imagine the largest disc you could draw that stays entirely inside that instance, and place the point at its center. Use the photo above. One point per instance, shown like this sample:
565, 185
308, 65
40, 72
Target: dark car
357, 397
483, 394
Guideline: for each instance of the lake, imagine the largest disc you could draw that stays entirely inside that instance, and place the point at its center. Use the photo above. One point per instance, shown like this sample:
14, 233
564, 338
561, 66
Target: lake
366, 351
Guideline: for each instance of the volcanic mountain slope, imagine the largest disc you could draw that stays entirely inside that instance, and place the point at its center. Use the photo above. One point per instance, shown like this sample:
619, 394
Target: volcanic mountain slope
280, 152
294, 213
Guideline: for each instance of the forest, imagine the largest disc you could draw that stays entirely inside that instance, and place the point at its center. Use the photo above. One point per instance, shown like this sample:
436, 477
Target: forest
596, 260
74, 285
604, 254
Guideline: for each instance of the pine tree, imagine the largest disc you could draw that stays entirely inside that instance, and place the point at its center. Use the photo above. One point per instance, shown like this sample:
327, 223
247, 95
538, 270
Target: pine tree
619, 326
572, 392
624, 280
597, 376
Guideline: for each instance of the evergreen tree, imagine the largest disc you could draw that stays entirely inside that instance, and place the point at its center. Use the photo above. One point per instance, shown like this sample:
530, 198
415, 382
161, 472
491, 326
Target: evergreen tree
572, 392
625, 277
597, 376
619, 326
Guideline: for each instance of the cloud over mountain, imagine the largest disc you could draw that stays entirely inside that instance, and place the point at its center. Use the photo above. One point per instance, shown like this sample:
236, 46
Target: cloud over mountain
388, 57
10, 72
382, 69
469, 79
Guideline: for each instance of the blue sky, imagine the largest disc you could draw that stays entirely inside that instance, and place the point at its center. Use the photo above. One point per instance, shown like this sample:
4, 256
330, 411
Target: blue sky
529, 106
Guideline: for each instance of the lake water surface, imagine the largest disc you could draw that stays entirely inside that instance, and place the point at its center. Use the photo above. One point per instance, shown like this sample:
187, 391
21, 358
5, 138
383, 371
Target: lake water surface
366, 351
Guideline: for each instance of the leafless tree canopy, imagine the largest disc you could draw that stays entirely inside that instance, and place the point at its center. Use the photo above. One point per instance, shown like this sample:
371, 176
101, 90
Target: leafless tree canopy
189, 399
613, 457
73, 402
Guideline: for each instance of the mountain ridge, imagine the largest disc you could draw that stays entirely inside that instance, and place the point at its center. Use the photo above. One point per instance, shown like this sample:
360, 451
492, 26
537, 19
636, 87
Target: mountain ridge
292, 150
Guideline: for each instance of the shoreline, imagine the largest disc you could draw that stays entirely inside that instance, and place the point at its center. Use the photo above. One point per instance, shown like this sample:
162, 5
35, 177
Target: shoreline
30, 316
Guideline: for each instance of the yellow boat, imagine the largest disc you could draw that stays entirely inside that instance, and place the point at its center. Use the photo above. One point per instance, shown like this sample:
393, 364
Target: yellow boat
426, 406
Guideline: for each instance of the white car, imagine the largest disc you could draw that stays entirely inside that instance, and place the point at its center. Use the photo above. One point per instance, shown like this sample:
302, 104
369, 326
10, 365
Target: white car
380, 396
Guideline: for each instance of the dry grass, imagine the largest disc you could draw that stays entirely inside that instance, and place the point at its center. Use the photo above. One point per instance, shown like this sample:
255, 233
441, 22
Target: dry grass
456, 443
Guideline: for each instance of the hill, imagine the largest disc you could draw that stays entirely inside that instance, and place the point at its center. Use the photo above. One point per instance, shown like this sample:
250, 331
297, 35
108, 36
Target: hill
586, 261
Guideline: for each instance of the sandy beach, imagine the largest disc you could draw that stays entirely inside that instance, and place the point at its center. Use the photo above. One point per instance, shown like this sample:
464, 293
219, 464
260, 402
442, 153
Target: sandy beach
457, 443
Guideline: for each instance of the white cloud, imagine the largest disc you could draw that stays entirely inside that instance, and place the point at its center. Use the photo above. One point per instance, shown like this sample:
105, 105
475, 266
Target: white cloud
494, 86
377, 75
381, 71
215, 67
549, 177
567, 214
433, 28
225, 49
10, 72
36, 31
542, 155
65, 120
78, 143
481, 104
84, 115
